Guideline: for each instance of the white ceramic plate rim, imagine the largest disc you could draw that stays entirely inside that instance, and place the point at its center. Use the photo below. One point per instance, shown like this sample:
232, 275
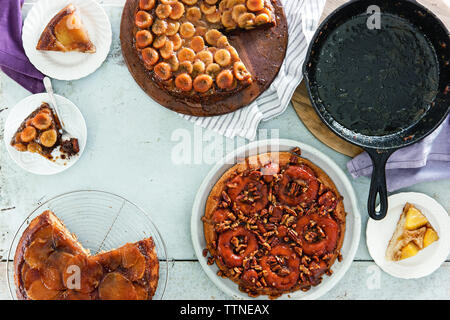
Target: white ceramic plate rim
35, 101
378, 239
198, 210
35, 22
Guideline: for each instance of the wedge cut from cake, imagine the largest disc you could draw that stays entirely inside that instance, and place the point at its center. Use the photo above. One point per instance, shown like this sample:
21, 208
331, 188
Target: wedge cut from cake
412, 234
65, 32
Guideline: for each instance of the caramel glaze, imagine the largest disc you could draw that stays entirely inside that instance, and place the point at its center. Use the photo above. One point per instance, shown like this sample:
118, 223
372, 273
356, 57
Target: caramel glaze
274, 223
47, 251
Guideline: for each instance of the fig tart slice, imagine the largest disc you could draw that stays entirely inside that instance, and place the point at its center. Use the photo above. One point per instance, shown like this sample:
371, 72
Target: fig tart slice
65, 32
50, 264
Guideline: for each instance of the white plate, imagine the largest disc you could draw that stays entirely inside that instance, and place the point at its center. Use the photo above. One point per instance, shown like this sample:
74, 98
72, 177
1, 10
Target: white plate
35, 163
379, 233
67, 65
353, 222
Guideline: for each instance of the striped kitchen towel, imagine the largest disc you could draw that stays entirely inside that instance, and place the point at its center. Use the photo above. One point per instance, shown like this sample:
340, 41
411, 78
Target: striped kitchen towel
303, 19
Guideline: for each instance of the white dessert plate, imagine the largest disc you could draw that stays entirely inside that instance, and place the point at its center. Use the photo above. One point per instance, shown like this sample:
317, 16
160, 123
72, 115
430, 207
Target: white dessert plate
35, 163
353, 221
378, 234
67, 65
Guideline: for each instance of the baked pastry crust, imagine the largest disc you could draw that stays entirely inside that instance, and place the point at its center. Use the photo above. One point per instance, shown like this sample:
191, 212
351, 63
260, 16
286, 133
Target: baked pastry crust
184, 45
279, 229
47, 251
65, 32
40, 133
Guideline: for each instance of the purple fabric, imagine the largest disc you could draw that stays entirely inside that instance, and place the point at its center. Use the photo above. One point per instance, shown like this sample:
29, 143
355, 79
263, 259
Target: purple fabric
13, 60
427, 160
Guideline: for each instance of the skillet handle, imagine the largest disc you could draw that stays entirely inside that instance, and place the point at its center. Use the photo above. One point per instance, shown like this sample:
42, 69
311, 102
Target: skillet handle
378, 183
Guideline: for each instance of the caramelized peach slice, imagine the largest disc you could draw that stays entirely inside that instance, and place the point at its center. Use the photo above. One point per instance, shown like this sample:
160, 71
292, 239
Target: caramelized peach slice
255, 5
130, 255
222, 57
240, 71
186, 54
197, 44
51, 274
48, 138
184, 82
141, 292
89, 270
115, 286
225, 79
177, 11
143, 19
42, 121
28, 134
150, 56
37, 253
203, 83
163, 71
37, 291
146, 4
187, 30
29, 275
144, 38
109, 260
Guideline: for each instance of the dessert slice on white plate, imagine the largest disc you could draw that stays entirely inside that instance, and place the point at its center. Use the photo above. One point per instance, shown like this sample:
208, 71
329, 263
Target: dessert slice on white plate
412, 234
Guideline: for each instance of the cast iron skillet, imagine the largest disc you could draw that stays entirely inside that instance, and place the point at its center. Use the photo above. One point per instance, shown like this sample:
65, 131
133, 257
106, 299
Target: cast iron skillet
380, 147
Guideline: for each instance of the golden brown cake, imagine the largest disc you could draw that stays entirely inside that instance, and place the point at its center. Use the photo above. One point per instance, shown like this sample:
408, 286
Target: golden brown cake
274, 223
184, 44
48, 256
65, 32
40, 133
412, 234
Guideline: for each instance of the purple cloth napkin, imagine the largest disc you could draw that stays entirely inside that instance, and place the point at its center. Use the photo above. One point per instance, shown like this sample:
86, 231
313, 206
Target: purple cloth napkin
427, 160
13, 60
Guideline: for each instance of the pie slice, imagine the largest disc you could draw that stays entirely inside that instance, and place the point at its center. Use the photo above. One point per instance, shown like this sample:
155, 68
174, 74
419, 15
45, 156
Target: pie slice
65, 32
40, 133
412, 234
48, 260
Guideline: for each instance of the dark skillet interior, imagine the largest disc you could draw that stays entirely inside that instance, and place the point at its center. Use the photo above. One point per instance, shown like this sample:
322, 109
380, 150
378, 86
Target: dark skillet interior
380, 89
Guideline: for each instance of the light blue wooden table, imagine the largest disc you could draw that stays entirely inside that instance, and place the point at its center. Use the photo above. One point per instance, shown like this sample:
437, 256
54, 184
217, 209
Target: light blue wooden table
128, 152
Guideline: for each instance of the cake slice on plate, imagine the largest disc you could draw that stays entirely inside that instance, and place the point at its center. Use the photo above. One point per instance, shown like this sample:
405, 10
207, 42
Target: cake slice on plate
412, 234
65, 32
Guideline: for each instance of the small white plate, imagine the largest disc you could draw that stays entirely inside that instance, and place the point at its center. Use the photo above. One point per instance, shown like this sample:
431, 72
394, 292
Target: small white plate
353, 220
379, 233
35, 163
67, 65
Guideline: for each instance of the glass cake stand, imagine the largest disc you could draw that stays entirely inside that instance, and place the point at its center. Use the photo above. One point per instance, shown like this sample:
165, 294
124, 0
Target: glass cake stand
101, 221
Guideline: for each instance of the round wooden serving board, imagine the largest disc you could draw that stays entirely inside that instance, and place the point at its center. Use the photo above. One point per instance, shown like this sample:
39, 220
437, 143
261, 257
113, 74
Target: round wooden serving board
262, 51
302, 104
